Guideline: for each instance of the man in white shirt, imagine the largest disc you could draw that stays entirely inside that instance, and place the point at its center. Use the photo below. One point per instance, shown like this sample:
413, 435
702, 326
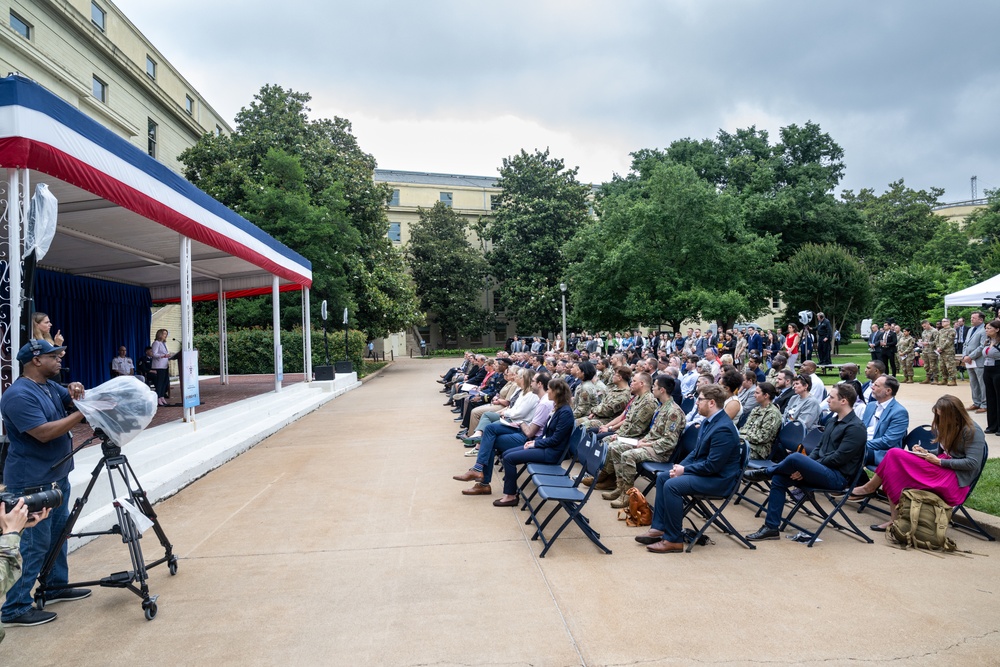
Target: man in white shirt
122, 364
712, 358
886, 420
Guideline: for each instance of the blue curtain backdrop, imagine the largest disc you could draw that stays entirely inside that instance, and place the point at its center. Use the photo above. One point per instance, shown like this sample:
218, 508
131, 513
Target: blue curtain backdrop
95, 317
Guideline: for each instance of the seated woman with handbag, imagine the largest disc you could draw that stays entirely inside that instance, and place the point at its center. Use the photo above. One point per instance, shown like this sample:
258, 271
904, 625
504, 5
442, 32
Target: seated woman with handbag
548, 448
947, 472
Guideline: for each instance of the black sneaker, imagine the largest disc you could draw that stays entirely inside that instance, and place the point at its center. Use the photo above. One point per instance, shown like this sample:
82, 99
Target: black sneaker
764, 533
31, 617
67, 595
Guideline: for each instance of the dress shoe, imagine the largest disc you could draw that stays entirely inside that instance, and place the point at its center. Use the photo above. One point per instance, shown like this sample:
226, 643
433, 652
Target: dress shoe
756, 474
449, 403
649, 537
878, 528
505, 503
989, 430
972, 407
478, 489
457, 410
664, 547
764, 533
980, 411
469, 476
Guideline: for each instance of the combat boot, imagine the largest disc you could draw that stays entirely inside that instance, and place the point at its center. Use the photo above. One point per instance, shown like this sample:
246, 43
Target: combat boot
952, 383
615, 493
608, 484
927, 381
623, 499
601, 477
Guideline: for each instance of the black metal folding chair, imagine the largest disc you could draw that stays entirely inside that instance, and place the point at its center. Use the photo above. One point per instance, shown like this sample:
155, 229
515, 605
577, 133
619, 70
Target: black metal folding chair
650, 469
578, 437
919, 435
837, 498
572, 500
556, 475
706, 506
790, 439
973, 526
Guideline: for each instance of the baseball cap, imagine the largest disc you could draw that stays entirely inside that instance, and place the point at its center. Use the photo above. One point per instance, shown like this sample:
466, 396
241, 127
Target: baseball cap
36, 347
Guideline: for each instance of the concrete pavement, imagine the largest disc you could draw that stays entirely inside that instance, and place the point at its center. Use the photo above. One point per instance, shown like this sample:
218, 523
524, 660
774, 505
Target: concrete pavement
343, 540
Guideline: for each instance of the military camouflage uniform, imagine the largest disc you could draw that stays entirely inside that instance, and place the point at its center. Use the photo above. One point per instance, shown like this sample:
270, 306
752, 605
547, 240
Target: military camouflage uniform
584, 399
904, 355
664, 434
638, 416
610, 407
761, 429
605, 376
928, 340
10, 564
947, 371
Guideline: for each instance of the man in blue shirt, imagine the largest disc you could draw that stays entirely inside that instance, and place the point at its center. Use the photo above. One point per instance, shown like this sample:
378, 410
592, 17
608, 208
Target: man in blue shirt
34, 415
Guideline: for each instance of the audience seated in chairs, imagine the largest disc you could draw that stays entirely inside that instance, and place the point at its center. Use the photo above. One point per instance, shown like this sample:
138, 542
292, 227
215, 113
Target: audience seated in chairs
802, 407
122, 363
521, 406
762, 426
885, 418
613, 402
832, 465
711, 468
948, 472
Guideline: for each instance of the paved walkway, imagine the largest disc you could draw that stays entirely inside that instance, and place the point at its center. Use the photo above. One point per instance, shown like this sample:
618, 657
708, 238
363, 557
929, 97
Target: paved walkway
343, 540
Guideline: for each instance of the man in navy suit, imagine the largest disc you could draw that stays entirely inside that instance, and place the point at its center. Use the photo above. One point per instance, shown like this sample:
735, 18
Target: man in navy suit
755, 343
711, 468
885, 418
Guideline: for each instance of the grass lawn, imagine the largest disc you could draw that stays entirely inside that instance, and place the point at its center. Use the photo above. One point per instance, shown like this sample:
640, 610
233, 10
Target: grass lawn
858, 353
986, 497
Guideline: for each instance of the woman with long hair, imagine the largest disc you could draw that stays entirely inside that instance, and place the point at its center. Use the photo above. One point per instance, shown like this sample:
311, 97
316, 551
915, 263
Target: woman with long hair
41, 329
991, 375
161, 360
947, 470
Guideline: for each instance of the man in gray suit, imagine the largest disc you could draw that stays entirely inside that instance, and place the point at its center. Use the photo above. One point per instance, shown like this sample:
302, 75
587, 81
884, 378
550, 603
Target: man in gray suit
972, 359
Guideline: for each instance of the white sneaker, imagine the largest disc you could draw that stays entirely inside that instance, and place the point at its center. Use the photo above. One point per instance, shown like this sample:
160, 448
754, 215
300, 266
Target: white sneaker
472, 452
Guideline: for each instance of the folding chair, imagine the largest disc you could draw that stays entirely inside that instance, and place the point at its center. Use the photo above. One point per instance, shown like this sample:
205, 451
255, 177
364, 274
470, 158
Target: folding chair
572, 500
687, 404
790, 439
650, 469
551, 474
705, 505
973, 526
919, 435
837, 498
577, 438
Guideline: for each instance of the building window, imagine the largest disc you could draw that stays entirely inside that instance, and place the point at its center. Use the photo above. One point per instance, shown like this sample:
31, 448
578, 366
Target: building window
100, 90
394, 200
774, 303
394, 232
22, 27
496, 302
446, 199
97, 16
189, 105
151, 68
494, 200
500, 334
218, 130
151, 146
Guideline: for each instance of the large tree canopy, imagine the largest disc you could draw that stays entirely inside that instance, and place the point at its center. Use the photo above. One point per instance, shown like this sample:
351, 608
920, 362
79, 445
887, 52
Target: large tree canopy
316, 180
826, 278
540, 207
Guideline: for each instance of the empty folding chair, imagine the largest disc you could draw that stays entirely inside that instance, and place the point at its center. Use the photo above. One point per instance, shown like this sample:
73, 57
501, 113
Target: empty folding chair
578, 437
571, 500
837, 498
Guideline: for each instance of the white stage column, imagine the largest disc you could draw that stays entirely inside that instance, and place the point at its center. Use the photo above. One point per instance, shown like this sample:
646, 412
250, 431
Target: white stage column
307, 357
187, 315
223, 338
14, 210
276, 324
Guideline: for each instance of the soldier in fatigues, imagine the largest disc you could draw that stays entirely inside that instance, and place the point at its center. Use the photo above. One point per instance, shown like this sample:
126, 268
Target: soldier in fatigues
658, 445
928, 341
635, 423
613, 403
904, 351
764, 422
585, 395
945, 348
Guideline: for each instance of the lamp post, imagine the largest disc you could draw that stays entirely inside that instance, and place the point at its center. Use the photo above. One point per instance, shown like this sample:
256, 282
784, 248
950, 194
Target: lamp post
562, 287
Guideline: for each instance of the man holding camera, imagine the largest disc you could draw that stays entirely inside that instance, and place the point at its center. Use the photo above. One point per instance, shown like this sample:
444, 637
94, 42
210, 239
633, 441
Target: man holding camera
35, 417
11, 525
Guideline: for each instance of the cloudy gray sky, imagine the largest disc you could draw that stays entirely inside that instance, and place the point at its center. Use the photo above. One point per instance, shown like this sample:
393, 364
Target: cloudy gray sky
909, 88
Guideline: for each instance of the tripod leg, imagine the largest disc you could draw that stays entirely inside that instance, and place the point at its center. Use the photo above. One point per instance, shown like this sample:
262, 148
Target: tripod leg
138, 495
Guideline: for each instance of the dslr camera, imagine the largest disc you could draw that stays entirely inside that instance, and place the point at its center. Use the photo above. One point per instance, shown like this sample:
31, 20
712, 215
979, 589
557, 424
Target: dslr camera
35, 502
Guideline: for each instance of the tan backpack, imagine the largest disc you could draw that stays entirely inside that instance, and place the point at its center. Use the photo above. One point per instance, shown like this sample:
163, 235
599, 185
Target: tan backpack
922, 522
638, 512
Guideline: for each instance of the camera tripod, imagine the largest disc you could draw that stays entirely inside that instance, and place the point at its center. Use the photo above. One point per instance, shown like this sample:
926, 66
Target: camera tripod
113, 461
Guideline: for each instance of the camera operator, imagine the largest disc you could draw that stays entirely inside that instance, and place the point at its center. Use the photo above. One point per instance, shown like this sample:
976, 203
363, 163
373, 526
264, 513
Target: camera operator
11, 525
35, 417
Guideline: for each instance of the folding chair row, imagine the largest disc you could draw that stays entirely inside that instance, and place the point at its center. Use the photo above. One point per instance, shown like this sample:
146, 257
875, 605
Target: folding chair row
711, 507
837, 498
650, 469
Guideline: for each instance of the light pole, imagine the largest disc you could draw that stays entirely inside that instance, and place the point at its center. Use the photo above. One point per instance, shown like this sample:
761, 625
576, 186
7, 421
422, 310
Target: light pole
562, 287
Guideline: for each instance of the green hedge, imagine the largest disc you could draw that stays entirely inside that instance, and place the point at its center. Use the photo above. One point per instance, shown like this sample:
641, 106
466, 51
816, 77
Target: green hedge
251, 350
453, 353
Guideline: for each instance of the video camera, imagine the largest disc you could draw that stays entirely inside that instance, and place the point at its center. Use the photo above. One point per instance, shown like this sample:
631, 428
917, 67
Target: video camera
993, 304
35, 502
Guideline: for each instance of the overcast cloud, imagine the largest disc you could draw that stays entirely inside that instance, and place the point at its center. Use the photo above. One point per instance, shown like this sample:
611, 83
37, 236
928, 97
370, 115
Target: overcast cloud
910, 89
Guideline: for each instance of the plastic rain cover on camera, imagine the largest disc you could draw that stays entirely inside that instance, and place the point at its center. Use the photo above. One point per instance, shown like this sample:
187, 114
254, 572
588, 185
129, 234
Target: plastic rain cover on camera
121, 408
41, 227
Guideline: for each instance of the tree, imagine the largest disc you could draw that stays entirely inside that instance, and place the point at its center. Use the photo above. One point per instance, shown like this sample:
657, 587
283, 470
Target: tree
908, 293
540, 207
901, 219
667, 247
361, 269
449, 273
826, 278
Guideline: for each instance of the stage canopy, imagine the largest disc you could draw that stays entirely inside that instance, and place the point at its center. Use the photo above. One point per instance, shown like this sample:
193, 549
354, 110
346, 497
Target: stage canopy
121, 212
975, 295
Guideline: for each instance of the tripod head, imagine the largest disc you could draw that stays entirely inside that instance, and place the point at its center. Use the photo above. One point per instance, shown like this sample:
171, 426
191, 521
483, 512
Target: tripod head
108, 447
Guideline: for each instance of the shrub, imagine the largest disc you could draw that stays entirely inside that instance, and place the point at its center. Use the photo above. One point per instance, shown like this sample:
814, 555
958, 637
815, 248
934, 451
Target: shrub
251, 350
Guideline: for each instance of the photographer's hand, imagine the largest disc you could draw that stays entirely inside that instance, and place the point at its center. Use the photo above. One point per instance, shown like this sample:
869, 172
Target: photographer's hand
37, 517
15, 520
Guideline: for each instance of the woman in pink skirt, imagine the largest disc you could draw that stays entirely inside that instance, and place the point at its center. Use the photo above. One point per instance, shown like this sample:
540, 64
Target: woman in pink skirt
948, 471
